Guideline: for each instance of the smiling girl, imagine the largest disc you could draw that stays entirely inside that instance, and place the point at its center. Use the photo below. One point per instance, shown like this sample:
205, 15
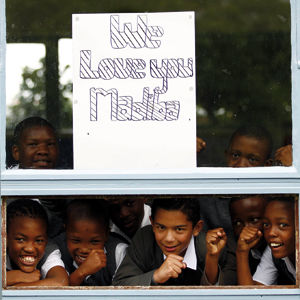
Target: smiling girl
277, 265
31, 260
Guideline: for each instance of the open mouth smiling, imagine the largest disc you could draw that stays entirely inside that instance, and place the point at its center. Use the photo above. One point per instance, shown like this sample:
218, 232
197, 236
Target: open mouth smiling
275, 245
80, 259
28, 260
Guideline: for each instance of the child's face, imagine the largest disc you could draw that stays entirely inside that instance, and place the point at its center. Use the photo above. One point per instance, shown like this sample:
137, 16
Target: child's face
173, 231
83, 236
279, 228
246, 151
37, 148
127, 214
26, 242
247, 212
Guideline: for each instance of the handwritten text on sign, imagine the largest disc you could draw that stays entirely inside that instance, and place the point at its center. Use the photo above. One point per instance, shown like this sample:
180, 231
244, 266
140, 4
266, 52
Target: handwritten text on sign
136, 67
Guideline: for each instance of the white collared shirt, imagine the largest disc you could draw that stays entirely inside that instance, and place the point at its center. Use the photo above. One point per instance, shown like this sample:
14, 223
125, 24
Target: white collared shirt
121, 248
266, 272
190, 257
53, 260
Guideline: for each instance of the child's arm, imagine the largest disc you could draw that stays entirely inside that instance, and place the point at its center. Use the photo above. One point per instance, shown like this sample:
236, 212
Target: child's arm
171, 268
15, 277
94, 262
215, 242
248, 238
56, 276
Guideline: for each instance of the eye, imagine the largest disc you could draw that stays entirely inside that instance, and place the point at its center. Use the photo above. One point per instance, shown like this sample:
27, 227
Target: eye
75, 241
266, 225
129, 203
96, 242
179, 229
19, 239
253, 160
51, 144
33, 144
238, 223
283, 225
235, 155
254, 220
159, 227
40, 241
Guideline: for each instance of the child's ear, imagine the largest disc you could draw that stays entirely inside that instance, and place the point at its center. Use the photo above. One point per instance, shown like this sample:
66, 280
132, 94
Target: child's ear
198, 227
15, 152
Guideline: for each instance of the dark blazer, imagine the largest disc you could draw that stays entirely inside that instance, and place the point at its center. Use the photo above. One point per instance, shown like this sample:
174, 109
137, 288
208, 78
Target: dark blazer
104, 276
144, 256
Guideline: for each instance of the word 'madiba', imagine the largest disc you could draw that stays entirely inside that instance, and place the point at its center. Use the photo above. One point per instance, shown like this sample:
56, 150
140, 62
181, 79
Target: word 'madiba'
124, 109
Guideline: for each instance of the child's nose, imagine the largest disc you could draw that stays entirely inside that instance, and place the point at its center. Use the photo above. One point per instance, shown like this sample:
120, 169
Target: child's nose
28, 247
84, 249
43, 149
169, 236
242, 163
124, 212
272, 231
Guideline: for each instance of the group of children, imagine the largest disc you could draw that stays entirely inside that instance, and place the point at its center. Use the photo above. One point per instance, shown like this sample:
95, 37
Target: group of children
243, 240
172, 250
35, 146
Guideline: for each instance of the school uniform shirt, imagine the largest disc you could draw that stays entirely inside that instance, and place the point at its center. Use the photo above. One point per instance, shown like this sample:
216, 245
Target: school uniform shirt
267, 272
254, 259
121, 247
144, 256
51, 259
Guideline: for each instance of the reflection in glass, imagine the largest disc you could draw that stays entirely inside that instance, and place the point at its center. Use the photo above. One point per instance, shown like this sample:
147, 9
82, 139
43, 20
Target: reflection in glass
243, 67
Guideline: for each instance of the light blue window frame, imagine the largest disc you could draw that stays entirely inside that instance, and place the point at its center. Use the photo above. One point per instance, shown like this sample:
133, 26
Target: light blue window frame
189, 181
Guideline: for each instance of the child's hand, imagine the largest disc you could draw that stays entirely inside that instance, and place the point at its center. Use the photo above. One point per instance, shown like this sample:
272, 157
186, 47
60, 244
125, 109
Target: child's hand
17, 276
284, 155
94, 262
171, 268
201, 144
248, 238
215, 241
32, 277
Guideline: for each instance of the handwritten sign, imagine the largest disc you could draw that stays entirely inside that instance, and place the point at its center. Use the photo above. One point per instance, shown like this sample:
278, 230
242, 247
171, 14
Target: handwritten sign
134, 91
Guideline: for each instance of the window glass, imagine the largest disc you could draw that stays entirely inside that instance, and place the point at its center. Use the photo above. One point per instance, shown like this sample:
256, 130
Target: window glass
242, 64
249, 234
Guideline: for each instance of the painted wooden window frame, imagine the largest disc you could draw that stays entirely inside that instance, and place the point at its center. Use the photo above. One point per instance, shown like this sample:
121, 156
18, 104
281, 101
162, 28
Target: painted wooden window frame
189, 181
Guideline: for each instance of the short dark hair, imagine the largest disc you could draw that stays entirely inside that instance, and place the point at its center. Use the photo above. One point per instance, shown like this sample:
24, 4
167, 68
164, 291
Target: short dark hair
244, 196
254, 131
29, 123
189, 206
87, 209
281, 197
25, 208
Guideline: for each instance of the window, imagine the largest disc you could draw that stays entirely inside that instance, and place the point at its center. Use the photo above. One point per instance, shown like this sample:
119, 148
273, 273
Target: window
215, 68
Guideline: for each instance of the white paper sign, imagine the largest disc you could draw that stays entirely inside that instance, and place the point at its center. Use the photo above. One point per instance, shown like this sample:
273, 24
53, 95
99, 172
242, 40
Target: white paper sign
134, 91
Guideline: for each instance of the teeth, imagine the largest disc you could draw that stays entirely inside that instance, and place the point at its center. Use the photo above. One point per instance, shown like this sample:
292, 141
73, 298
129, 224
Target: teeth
81, 258
275, 244
28, 259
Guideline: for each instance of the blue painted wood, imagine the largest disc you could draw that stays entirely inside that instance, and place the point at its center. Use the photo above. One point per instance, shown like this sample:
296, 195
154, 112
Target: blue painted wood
200, 181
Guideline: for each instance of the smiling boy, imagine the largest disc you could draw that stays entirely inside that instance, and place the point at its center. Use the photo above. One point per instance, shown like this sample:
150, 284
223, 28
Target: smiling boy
277, 265
35, 144
174, 251
87, 249
247, 212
